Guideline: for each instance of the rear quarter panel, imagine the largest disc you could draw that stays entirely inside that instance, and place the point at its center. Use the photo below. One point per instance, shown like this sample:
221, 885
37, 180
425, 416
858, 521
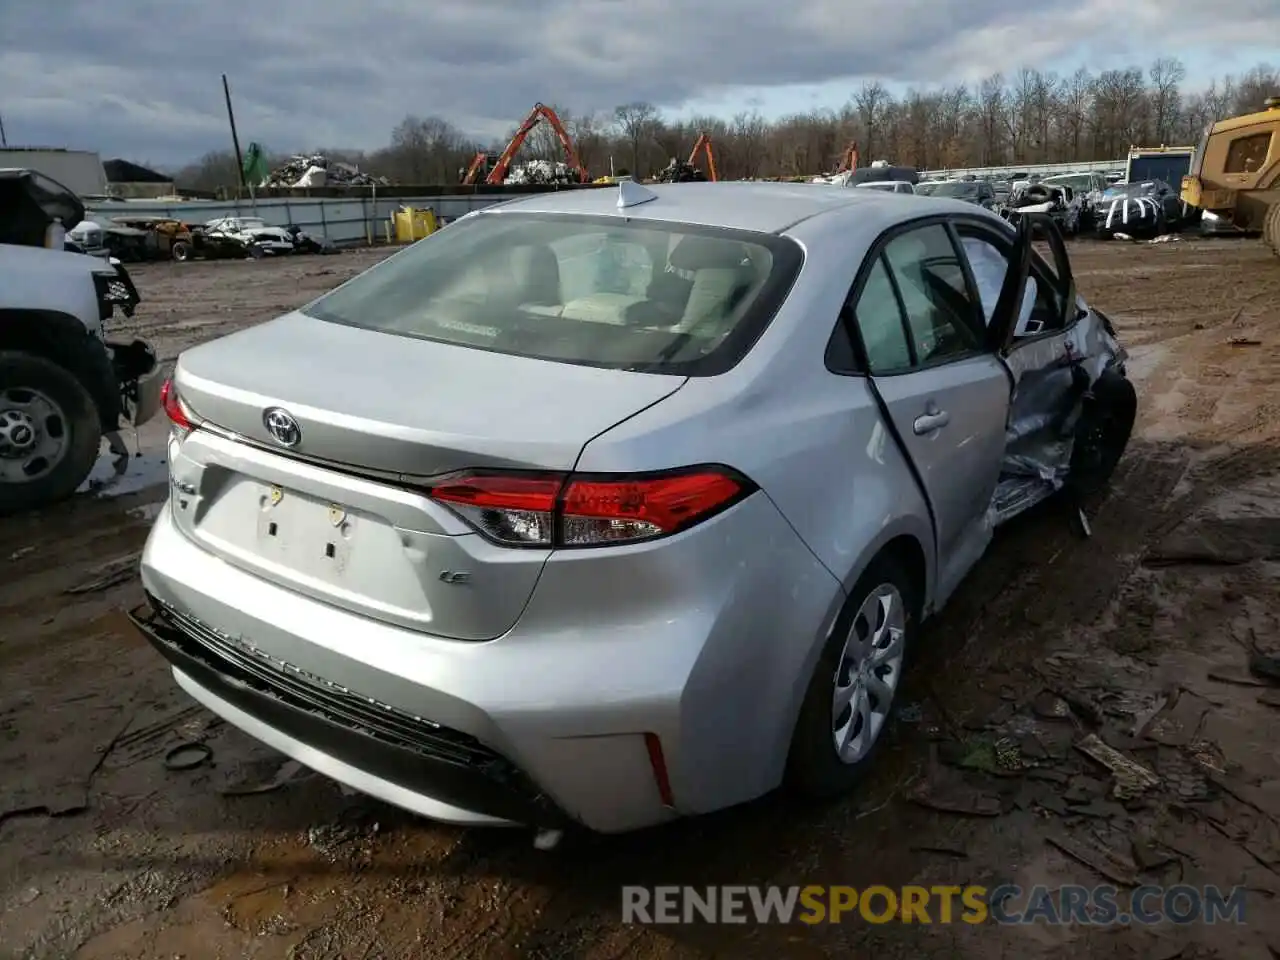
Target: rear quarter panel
816, 445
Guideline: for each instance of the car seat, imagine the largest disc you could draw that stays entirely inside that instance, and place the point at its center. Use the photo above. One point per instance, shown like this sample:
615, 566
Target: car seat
722, 274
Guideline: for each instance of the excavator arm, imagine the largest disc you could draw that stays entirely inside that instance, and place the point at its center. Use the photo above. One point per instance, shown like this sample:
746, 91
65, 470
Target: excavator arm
539, 112
477, 163
703, 144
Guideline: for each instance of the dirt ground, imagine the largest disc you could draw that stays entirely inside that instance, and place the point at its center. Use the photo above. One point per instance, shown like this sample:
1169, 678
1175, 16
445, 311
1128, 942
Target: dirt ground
1141, 634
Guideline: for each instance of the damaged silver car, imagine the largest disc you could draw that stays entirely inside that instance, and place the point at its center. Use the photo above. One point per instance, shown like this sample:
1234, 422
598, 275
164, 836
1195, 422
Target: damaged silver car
634, 503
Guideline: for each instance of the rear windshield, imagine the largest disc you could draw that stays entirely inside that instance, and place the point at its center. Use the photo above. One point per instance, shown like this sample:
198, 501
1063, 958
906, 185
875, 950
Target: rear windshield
599, 291
961, 188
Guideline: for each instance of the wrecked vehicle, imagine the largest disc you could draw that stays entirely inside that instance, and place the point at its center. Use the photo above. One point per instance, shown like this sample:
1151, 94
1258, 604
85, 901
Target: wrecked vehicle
166, 237
259, 239
567, 550
63, 383
1056, 201
1148, 209
1088, 188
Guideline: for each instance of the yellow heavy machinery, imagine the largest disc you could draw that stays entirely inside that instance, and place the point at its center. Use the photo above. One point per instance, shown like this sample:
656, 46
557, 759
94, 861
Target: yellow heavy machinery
1235, 173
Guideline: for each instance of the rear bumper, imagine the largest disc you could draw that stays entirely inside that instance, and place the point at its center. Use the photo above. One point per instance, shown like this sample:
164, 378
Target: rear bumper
435, 771
706, 641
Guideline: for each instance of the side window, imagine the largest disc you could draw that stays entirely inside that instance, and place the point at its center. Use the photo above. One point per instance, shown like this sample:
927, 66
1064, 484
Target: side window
880, 322
1247, 154
989, 265
941, 317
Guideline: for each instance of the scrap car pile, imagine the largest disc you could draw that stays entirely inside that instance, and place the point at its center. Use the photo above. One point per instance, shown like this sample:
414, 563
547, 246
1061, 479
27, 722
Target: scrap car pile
542, 172
317, 170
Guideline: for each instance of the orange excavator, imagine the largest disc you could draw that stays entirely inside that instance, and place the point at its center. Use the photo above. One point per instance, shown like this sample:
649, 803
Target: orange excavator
703, 144
498, 172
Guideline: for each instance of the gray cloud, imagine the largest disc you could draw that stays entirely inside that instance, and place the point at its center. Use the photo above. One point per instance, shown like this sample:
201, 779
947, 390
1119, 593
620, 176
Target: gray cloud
140, 78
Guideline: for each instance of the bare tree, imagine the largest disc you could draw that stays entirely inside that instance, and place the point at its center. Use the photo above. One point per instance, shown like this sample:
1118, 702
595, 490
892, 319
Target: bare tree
1166, 98
1255, 86
871, 101
1076, 96
991, 109
637, 122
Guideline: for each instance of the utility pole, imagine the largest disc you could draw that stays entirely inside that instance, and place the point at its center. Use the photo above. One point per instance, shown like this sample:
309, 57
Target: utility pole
235, 139
4, 141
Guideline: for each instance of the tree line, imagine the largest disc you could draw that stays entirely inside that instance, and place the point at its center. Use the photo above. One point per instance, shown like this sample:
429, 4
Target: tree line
1030, 116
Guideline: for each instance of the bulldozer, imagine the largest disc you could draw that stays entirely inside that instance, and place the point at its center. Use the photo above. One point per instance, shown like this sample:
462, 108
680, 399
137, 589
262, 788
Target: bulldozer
1235, 173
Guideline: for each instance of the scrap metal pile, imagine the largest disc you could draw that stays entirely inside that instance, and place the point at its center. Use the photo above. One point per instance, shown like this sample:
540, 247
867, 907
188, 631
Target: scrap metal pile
678, 171
317, 170
542, 172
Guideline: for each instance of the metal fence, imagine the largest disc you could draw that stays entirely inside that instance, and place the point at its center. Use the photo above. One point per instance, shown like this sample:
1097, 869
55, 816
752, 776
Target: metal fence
1094, 166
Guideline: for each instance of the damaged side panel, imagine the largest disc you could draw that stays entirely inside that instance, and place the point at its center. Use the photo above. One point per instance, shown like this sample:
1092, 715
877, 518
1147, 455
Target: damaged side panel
1053, 377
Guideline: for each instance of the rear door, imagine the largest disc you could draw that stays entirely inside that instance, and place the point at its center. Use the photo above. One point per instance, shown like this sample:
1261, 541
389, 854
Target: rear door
943, 388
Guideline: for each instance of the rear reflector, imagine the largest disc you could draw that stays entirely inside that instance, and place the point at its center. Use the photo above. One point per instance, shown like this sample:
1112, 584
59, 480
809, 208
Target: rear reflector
661, 777
587, 510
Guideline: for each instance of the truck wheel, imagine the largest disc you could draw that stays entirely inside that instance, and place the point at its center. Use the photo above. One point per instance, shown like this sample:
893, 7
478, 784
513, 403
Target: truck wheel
851, 697
1102, 434
1271, 228
49, 432
180, 250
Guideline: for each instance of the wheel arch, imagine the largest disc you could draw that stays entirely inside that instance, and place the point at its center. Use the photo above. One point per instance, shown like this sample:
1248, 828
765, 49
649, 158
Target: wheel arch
903, 546
63, 339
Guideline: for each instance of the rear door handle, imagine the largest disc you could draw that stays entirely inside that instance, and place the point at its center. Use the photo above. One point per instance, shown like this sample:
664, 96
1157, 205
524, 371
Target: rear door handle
929, 422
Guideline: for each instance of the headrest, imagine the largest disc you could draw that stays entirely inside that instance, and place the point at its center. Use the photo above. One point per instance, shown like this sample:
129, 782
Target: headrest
704, 253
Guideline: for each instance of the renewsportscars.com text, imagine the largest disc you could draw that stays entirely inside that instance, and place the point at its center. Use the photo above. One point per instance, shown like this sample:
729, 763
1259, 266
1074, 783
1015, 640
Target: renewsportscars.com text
1007, 904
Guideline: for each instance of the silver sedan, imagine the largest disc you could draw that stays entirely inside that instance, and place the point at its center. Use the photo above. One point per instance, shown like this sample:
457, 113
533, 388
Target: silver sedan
610, 506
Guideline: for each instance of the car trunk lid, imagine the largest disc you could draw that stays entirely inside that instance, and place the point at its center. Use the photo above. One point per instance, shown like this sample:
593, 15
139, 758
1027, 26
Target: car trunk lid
342, 515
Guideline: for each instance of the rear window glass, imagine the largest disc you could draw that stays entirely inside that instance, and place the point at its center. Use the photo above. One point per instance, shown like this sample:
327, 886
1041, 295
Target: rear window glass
599, 291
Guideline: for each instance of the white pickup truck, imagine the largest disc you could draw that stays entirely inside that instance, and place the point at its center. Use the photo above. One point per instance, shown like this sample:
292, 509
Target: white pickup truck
64, 384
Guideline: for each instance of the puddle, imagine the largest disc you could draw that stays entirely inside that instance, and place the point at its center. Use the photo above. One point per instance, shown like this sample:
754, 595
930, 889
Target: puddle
113, 477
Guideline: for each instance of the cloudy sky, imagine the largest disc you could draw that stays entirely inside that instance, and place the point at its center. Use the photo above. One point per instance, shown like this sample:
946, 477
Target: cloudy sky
140, 78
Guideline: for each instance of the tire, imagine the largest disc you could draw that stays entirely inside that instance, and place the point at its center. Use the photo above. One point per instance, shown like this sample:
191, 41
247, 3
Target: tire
1102, 435
180, 250
814, 768
1271, 228
24, 374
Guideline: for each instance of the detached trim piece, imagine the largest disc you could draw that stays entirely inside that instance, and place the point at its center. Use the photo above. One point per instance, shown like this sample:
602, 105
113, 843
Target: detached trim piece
410, 752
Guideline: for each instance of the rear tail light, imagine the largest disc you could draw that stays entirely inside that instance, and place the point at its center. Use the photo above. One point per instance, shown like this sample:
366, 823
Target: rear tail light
588, 510
174, 408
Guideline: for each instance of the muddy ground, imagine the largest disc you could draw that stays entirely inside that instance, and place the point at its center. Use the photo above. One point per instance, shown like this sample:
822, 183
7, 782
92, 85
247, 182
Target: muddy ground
1141, 634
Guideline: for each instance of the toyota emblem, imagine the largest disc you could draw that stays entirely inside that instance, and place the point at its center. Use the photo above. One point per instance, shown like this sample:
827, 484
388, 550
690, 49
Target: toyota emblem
282, 427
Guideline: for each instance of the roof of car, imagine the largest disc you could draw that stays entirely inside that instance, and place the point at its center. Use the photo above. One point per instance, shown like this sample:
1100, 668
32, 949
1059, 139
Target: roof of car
759, 206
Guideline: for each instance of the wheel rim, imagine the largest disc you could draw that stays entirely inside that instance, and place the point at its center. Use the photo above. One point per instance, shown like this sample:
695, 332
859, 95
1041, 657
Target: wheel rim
868, 673
33, 435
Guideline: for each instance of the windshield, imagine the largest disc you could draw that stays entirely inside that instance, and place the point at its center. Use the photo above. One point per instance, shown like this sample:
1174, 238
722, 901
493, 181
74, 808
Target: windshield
1145, 189
1078, 181
882, 185
964, 189
606, 292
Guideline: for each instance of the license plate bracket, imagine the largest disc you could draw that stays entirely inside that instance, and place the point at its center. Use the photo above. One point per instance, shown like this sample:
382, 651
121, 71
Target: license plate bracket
309, 536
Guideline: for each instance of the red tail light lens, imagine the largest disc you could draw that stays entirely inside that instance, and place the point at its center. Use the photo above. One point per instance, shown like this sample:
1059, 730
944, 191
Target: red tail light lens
173, 408
586, 510
513, 509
